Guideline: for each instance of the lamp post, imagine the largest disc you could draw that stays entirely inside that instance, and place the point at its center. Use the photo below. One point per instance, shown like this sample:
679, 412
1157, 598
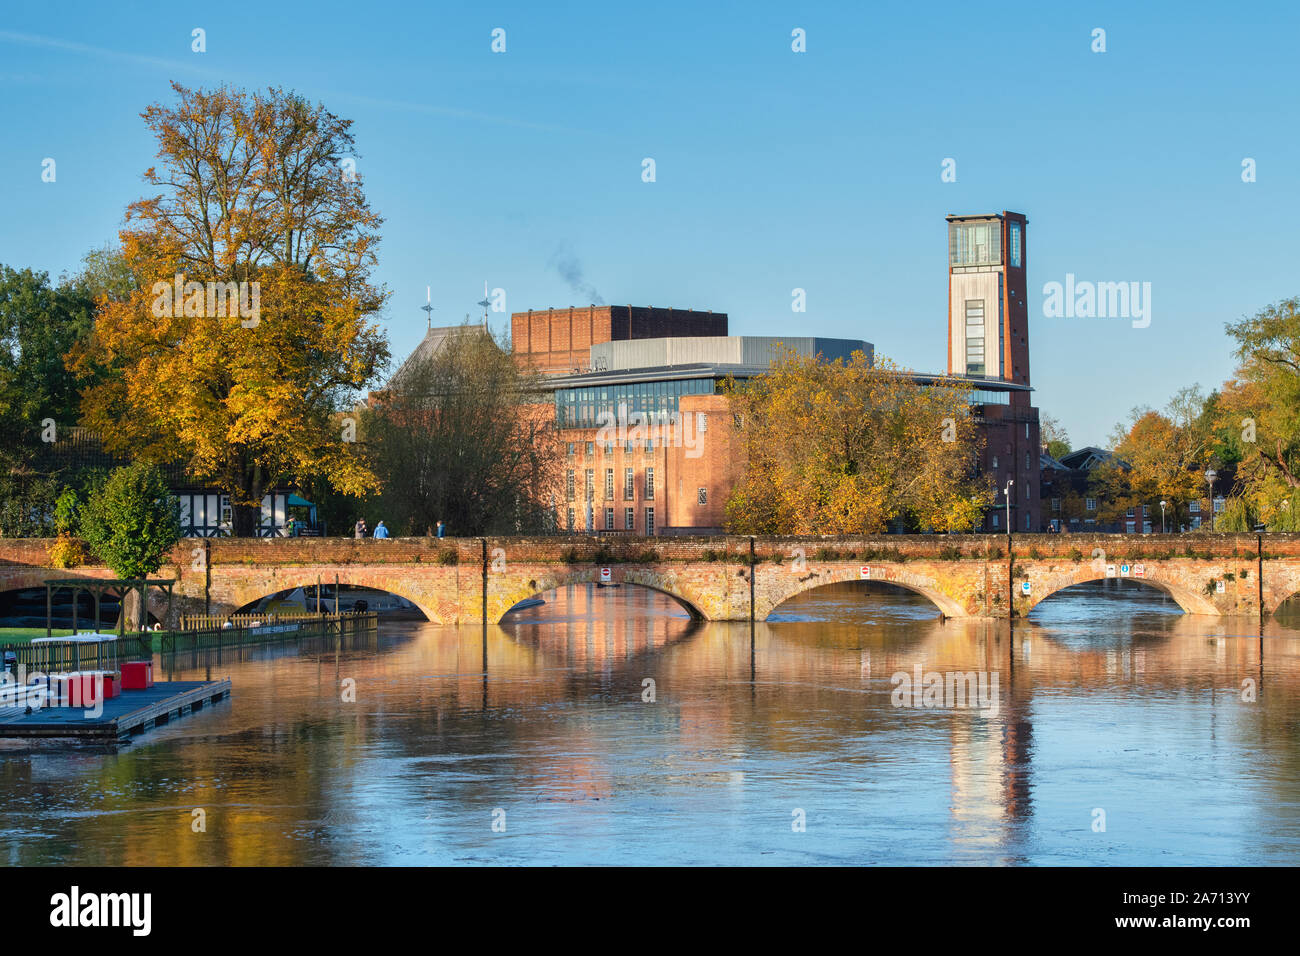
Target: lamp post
1007, 492
1163, 530
1210, 475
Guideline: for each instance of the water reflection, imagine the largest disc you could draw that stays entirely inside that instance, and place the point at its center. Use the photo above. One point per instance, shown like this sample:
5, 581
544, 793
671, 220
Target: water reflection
1106, 700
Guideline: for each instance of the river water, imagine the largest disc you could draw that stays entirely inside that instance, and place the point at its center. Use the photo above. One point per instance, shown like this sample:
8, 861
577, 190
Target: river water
606, 727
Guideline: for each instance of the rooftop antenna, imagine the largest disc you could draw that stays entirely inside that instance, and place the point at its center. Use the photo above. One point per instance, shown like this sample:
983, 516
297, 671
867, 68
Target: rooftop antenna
428, 305
485, 302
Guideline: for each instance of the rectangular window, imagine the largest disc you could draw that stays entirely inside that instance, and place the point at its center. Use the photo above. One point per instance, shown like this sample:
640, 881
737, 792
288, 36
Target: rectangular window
1056, 504
1130, 526
571, 449
701, 422
649, 521
1194, 507
609, 484
591, 448
995, 462
1090, 504
570, 516
704, 496
609, 448
609, 519
629, 485
1129, 514
568, 485
650, 485
995, 519
975, 364
1027, 462
591, 485
1015, 245
629, 519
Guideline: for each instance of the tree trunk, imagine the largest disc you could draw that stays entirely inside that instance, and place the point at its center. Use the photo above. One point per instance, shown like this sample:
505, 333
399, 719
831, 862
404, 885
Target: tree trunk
244, 520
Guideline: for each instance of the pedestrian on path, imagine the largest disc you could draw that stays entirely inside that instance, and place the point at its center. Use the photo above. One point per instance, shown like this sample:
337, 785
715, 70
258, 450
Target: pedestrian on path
442, 530
381, 531
360, 529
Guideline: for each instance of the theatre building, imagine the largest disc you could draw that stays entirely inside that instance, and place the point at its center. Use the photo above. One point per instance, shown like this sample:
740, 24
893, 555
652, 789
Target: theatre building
648, 437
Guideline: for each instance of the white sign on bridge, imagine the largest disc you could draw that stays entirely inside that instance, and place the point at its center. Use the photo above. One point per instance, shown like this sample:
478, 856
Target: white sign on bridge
865, 572
605, 575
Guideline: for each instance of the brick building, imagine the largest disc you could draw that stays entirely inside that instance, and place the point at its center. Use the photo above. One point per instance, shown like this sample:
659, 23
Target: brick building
558, 341
664, 368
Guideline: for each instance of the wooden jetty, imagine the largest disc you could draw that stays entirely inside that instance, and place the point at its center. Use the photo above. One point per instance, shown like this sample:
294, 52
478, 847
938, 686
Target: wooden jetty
129, 713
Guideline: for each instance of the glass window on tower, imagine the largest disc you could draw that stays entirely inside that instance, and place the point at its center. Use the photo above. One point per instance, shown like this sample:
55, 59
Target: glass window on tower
975, 337
1014, 241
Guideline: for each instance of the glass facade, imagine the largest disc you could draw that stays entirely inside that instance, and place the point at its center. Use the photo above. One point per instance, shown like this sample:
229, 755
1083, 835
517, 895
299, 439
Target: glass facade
583, 407
975, 243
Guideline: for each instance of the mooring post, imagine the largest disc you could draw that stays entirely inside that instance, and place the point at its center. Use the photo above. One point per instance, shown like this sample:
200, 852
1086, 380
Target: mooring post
207, 577
752, 565
1259, 578
483, 542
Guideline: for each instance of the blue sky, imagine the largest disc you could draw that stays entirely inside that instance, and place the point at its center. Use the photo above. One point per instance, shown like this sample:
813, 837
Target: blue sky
775, 170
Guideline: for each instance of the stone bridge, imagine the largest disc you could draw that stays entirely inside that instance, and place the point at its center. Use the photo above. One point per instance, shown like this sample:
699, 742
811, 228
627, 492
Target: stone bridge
725, 578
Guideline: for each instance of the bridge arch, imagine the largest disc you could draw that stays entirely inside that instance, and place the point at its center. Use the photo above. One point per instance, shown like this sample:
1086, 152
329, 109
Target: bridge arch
230, 598
781, 584
504, 597
1048, 583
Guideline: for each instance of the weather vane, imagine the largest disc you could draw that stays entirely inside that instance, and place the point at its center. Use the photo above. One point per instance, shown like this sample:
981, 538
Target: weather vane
428, 305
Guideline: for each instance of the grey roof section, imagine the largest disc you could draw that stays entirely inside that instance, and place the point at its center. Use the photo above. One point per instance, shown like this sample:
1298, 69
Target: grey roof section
670, 373
429, 346
758, 351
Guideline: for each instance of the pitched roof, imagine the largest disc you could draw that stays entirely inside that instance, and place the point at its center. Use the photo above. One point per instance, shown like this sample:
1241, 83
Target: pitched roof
430, 345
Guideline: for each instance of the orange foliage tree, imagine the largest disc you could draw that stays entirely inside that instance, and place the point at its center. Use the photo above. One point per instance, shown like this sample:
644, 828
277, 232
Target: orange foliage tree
249, 326
848, 448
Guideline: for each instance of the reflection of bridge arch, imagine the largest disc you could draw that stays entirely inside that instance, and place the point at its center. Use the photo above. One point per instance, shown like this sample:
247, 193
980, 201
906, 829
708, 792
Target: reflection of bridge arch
1044, 583
780, 590
502, 599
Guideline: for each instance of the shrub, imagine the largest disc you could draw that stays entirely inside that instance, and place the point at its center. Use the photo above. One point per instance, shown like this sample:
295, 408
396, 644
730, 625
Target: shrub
949, 553
68, 552
648, 557
710, 554
449, 557
131, 521
1076, 555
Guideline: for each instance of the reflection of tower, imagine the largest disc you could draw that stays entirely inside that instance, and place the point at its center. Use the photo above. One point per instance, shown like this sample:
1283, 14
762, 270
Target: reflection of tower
1017, 739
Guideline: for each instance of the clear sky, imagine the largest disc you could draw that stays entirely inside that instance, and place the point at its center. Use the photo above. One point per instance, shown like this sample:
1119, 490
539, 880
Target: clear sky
775, 170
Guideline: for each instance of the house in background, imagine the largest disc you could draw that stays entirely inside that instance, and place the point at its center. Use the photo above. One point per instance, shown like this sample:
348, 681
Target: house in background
204, 511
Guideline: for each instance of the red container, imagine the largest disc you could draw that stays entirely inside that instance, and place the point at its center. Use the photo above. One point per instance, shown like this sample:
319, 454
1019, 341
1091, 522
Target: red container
86, 683
137, 675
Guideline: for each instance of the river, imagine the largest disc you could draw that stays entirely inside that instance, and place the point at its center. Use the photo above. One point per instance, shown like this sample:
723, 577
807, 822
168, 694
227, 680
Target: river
607, 727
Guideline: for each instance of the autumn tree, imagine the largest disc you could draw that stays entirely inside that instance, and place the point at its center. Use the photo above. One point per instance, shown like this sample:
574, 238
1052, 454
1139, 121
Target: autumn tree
240, 319
1257, 414
466, 436
1159, 455
1055, 439
848, 448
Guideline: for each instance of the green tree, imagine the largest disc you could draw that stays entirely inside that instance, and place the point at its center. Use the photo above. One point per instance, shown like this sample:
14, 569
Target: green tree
39, 324
131, 521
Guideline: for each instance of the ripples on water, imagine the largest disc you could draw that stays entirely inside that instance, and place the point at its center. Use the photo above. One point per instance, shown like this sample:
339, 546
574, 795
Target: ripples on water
1108, 700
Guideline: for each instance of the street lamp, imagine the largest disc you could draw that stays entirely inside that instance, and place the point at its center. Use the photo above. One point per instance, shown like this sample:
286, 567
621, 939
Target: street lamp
1007, 492
1210, 475
1163, 530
